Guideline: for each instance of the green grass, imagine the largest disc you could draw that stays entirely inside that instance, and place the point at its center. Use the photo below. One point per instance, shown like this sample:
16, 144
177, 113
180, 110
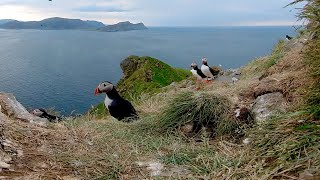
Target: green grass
150, 77
99, 111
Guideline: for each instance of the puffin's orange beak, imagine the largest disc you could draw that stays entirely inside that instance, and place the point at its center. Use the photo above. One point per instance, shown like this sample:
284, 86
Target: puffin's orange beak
97, 91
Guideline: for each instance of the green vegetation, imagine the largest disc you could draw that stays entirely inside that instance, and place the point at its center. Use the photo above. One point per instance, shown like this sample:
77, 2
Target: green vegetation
150, 77
311, 13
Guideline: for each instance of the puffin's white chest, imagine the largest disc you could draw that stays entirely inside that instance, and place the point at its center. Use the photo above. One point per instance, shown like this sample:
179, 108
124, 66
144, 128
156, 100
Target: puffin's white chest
206, 71
194, 72
108, 102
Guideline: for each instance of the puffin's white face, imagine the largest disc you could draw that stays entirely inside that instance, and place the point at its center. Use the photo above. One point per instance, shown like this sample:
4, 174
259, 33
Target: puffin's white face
37, 112
193, 65
104, 87
204, 61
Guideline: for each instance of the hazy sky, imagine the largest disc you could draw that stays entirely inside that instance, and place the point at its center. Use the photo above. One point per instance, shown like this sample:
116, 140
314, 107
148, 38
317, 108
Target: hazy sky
156, 12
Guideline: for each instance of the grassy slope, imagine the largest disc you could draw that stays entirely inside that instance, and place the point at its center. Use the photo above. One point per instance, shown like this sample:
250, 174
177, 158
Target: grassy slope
149, 78
285, 147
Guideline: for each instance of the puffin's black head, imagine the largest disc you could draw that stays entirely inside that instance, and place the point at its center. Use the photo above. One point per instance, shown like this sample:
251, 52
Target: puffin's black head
104, 87
204, 61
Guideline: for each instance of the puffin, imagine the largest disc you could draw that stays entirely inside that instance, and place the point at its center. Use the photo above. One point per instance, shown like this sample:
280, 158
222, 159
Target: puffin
43, 114
197, 72
207, 70
288, 38
118, 107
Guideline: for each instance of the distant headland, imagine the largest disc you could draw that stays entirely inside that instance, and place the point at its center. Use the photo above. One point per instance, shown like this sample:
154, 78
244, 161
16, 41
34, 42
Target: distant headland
57, 23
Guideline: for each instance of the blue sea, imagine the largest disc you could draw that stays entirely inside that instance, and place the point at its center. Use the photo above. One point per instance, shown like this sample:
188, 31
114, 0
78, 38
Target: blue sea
61, 69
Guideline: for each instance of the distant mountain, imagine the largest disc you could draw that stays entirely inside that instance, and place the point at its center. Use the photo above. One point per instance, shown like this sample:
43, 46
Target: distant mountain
3, 21
123, 26
55, 23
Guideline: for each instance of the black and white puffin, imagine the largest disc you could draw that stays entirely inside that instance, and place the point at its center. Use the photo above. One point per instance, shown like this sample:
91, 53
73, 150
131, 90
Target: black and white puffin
207, 70
118, 107
288, 38
197, 72
43, 114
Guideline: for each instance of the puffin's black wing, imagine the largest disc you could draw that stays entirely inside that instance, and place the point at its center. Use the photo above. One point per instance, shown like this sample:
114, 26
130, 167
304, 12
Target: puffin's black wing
121, 109
199, 72
214, 73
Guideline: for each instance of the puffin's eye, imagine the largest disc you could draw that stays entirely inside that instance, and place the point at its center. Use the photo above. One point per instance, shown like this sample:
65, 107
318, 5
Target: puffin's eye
104, 85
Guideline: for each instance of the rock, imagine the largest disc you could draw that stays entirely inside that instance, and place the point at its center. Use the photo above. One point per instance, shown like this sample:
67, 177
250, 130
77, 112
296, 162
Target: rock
247, 141
19, 153
268, 105
4, 165
130, 65
42, 165
158, 169
76, 163
11, 108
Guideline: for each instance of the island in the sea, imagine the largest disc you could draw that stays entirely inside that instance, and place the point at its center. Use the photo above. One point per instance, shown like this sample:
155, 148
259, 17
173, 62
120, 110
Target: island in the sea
123, 26
57, 23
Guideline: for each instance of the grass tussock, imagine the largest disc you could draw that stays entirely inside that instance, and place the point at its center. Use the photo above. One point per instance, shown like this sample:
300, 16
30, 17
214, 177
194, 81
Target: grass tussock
206, 110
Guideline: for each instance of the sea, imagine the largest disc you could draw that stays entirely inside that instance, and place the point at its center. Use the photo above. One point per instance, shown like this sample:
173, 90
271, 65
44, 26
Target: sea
60, 69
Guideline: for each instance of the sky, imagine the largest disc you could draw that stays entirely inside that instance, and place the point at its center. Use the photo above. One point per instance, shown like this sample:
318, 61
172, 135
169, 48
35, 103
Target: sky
157, 12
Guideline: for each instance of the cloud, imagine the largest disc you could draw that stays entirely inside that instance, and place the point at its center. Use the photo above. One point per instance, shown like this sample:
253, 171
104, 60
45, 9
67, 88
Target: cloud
96, 8
156, 13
